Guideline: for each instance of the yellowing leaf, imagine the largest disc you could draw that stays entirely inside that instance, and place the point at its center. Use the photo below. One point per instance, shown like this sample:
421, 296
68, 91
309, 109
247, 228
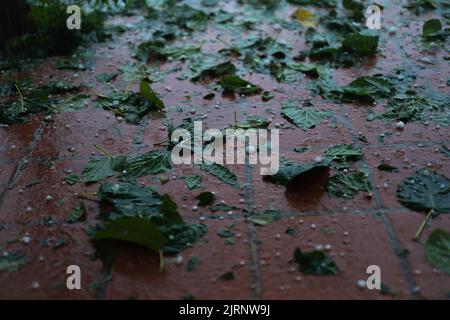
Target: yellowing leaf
305, 17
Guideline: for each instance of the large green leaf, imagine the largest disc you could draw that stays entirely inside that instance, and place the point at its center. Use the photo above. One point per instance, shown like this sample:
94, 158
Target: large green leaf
425, 190
304, 117
347, 185
152, 162
315, 263
437, 249
130, 200
360, 43
365, 89
100, 168
215, 71
344, 152
221, 172
137, 230
238, 85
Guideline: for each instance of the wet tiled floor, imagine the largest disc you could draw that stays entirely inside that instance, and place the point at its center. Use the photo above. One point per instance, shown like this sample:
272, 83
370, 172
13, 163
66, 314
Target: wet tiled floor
36, 157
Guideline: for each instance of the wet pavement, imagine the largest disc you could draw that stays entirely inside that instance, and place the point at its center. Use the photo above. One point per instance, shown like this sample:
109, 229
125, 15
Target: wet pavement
36, 157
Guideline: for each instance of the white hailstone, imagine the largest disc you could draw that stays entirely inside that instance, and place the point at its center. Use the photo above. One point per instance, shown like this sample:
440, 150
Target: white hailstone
230, 213
250, 149
241, 200
400, 125
48, 198
416, 290
328, 247
318, 159
26, 239
392, 30
425, 60
178, 259
313, 226
67, 126
20, 190
120, 119
278, 236
242, 263
35, 285
194, 208
345, 233
319, 247
298, 278
361, 284
202, 218
300, 221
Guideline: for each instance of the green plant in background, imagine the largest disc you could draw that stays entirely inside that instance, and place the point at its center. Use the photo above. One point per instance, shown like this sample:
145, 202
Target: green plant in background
49, 33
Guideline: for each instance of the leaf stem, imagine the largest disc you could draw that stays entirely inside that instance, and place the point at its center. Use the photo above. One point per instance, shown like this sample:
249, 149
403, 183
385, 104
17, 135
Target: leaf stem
106, 153
423, 224
161, 261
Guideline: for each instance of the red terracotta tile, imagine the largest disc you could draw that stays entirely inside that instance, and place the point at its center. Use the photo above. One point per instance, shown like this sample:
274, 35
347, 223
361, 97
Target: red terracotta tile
431, 282
48, 251
366, 244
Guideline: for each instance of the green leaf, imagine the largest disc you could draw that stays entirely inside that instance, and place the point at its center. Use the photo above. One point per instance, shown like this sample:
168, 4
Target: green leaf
445, 150
205, 198
387, 167
100, 168
136, 230
253, 122
223, 207
266, 217
148, 94
347, 185
304, 117
291, 171
77, 214
425, 190
437, 250
12, 262
221, 172
152, 162
193, 181
192, 264
365, 89
72, 179
169, 210
129, 200
107, 77
228, 276
315, 263
215, 71
431, 28
360, 43
344, 153
237, 85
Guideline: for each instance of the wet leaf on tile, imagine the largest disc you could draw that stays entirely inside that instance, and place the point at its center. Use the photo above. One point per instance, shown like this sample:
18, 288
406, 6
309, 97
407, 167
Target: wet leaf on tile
315, 263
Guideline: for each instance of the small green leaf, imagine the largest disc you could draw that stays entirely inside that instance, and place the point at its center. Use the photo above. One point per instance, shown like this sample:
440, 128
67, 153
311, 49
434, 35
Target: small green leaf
359, 43
315, 263
304, 117
237, 85
12, 262
344, 153
100, 168
77, 214
387, 167
347, 185
431, 28
291, 171
148, 94
228, 276
253, 122
205, 199
437, 250
221, 172
192, 264
193, 181
152, 162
